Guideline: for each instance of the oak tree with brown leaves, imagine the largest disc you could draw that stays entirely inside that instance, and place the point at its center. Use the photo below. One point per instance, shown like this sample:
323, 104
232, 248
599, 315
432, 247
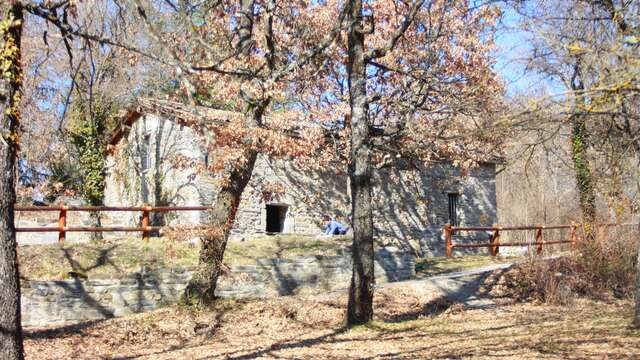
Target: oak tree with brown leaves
421, 89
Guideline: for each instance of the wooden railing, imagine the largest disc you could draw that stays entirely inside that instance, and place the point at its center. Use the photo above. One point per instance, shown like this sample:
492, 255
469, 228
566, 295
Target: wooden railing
62, 227
494, 243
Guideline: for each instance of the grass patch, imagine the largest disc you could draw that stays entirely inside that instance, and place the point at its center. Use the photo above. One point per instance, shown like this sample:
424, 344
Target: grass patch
102, 259
63, 261
283, 247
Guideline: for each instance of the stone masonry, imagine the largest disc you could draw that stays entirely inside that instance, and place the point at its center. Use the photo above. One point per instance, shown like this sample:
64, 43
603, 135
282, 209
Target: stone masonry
46, 303
410, 206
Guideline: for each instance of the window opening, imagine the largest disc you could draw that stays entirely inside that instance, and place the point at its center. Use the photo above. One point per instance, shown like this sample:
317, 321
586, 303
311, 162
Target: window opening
146, 152
453, 209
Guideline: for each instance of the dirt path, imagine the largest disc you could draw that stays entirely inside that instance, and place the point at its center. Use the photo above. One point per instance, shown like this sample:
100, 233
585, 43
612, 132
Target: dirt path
467, 287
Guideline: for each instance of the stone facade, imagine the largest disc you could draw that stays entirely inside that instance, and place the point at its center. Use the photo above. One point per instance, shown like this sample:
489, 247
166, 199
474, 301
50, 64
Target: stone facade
46, 303
410, 206
143, 171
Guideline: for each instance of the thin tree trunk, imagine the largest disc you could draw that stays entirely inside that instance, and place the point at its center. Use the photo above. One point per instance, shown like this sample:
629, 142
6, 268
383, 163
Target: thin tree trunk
95, 219
158, 218
202, 287
10, 84
245, 29
96, 216
579, 141
360, 303
636, 316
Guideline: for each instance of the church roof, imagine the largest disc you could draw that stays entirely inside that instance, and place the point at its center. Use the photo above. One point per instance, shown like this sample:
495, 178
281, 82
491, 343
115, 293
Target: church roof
201, 116
178, 112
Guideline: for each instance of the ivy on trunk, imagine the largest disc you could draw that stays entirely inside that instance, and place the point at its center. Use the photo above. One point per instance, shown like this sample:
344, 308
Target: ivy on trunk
10, 91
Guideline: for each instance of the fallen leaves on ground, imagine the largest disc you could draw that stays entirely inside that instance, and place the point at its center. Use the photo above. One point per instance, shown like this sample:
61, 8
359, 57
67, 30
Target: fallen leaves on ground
407, 326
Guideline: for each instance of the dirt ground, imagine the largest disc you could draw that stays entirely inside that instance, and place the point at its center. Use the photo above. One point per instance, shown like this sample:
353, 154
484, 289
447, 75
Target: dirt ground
407, 326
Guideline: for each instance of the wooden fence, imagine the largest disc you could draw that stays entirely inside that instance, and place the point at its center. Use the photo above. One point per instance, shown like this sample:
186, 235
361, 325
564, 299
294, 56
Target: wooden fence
494, 243
62, 227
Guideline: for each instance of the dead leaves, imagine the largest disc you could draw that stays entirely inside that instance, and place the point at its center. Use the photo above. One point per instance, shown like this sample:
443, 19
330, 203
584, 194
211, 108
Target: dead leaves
407, 326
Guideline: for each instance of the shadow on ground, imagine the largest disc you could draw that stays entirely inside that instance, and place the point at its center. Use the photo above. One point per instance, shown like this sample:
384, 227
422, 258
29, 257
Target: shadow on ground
432, 328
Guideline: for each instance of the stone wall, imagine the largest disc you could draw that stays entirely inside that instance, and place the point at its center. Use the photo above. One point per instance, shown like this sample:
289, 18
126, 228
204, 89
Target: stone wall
144, 170
308, 194
47, 303
410, 207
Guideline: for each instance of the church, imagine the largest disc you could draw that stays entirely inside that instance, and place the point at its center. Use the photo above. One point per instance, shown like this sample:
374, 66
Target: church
410, 205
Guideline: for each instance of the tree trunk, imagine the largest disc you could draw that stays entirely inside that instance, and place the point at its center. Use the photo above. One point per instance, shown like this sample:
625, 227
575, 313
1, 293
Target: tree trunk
360, 304
95, 221
583, 170
10, 84
202, 287
636, 316
245, 29
158, 218
579, 138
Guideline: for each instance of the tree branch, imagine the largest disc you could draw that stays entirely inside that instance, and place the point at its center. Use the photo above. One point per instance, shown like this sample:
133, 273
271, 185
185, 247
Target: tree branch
393, 41
63, 27
313, 52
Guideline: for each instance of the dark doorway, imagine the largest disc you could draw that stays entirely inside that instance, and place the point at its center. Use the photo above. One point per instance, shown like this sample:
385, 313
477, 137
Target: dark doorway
275, 218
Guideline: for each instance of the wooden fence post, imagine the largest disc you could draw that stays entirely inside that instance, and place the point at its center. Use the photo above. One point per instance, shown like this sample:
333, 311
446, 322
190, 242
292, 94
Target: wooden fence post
574, 235
448, 249
62, 223
495, 240
539, 240
145, 222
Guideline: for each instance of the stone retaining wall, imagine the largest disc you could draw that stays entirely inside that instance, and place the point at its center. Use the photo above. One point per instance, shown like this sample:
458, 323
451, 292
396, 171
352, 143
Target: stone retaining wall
71, 301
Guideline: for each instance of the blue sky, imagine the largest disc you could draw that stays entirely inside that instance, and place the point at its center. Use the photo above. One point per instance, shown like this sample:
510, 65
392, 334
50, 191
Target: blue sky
513, 47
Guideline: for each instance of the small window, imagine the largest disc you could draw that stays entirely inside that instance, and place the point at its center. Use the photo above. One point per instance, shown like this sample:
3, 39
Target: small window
276, 214
146, 152
453, 209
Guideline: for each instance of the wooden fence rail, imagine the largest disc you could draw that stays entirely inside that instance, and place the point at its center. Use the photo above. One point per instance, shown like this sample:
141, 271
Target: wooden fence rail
494, 243
62, 227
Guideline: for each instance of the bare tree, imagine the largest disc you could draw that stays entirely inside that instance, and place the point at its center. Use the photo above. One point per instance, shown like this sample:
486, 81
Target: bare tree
591, 47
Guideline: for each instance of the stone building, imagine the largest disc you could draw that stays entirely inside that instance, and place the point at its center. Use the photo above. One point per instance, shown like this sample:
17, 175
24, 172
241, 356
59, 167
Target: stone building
410, 206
